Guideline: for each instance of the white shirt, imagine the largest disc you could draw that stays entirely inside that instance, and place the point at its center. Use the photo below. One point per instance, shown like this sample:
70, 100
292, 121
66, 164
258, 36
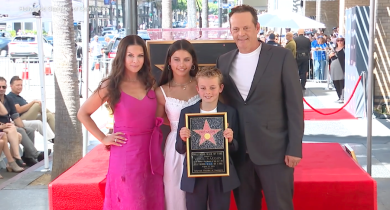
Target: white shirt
212, 111
243, 70
96, 48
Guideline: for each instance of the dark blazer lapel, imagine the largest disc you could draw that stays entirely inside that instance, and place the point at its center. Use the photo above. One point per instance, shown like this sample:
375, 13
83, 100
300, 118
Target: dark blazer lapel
221, 107
265, 56
196, 107
231, 59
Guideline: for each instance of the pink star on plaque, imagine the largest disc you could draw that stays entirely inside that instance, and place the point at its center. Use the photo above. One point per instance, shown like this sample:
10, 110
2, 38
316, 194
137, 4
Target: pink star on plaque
207, 134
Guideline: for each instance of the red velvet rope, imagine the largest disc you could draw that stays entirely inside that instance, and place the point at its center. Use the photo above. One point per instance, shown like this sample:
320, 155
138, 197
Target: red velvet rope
353, 92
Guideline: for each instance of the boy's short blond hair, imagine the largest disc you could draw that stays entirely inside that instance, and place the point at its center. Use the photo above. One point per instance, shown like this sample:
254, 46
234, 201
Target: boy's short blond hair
209, 72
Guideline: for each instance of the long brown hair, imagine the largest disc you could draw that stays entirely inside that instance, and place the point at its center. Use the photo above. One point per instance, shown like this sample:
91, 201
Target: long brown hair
118, 71
167, 74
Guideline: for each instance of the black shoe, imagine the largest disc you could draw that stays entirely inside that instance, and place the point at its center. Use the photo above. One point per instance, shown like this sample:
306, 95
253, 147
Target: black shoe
29, 161
41, 155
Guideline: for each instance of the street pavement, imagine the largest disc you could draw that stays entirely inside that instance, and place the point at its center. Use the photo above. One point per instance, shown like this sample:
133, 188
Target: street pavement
353, 132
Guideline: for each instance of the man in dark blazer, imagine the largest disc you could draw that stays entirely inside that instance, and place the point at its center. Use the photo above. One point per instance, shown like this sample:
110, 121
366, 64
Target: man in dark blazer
303, 56
195, 199
262, 83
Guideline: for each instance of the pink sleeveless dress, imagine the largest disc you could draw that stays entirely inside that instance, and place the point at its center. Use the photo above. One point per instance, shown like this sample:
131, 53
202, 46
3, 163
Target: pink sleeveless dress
135, 173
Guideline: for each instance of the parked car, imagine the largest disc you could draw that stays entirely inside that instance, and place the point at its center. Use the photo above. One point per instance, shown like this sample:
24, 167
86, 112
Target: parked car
109, 30
27, 46
143, 34
49, 39
4, 46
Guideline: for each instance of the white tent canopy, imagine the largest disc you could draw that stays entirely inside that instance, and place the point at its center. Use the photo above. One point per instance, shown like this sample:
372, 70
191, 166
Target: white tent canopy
286, 19
21, 10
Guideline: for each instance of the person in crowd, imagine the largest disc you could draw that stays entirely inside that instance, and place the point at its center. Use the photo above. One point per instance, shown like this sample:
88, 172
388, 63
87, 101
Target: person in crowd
135, 173
95, 50
262, 84
30, 113
177, 90
271, 40
291, 45
214, 191
262, 38
319, 57
12, 166
337, 67
303, 56
30, 154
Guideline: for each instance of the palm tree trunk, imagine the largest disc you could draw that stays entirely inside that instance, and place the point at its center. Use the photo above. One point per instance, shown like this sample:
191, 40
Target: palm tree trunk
68, 145
205, 18
191, 14
166, 10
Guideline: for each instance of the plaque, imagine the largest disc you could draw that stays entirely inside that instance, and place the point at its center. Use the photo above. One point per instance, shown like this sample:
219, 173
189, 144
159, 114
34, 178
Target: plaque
207, 149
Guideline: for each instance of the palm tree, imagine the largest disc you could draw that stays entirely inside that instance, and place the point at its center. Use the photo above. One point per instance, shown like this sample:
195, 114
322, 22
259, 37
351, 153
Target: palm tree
191, 13
205, 13
166, 13
68, 145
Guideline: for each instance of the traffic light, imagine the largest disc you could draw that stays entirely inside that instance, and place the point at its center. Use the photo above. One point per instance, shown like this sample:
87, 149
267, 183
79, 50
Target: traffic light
215, 2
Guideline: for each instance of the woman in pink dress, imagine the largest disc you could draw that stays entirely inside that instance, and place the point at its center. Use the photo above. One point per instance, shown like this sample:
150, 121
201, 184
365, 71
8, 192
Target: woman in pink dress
135, 173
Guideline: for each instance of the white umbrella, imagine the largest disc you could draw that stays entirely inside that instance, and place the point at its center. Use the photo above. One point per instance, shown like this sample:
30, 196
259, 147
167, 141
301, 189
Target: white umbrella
285, 19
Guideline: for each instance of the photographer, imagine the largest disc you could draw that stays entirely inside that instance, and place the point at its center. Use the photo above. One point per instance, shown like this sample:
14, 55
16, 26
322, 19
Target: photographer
337, 67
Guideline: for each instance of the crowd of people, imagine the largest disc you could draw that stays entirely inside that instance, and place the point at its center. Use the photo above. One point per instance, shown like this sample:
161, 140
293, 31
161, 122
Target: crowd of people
315, 51
19, 120
256, 84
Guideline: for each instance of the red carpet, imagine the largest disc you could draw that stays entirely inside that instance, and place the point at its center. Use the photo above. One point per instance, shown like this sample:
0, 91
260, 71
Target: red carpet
326, 179
310, 114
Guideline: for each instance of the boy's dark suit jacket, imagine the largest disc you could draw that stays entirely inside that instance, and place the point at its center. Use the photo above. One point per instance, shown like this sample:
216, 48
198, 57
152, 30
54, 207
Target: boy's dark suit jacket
228, 182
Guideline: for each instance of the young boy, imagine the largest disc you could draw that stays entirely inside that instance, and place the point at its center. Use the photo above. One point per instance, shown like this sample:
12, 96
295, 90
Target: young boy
215, 190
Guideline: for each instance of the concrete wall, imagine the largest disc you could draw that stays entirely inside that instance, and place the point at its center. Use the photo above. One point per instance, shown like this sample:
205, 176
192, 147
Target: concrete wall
381, 56
329, 13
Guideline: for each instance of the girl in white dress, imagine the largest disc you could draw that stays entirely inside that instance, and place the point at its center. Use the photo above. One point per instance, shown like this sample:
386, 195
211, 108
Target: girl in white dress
177, 90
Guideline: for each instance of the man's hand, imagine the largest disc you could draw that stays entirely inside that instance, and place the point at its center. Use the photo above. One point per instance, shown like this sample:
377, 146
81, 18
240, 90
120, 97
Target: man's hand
38, 102
291, 161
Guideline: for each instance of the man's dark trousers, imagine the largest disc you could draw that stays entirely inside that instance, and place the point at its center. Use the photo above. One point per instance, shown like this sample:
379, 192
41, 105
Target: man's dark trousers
303, 68
250, 175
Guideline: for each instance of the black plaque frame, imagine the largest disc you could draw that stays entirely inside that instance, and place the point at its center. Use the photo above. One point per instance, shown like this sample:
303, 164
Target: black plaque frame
214, 155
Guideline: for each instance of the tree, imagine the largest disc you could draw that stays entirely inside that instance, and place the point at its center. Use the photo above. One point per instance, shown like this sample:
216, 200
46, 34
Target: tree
166, 13
205, 13
69, 143
191, 13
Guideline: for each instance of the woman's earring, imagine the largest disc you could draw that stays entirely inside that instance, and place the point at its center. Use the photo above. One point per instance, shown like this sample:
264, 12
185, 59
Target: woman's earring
169, 67
193, 68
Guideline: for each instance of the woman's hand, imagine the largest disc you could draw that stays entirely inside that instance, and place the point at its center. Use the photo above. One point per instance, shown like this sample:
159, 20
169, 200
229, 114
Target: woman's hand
185, 133
116, 139
228, 133
331, 54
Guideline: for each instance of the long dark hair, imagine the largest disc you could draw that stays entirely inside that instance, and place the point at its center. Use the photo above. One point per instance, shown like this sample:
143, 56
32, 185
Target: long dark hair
183, 44
118, 71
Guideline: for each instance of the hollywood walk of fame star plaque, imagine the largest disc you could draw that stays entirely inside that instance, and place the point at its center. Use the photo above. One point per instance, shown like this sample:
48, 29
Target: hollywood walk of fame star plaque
207, 149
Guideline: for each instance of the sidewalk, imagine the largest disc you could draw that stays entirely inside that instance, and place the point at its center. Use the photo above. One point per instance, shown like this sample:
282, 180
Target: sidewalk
25, 186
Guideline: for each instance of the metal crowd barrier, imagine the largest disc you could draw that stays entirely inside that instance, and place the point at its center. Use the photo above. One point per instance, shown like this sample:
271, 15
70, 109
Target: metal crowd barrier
326, 74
